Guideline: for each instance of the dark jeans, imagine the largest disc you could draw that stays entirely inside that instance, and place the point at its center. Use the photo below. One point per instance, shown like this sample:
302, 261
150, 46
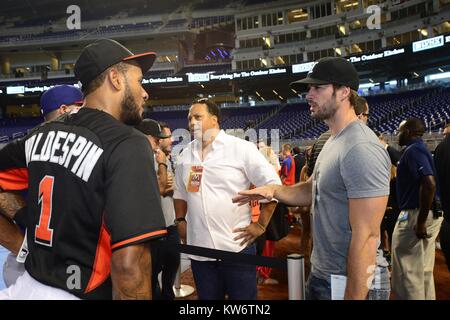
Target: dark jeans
445, 241
215, 279
317, 289
167, 262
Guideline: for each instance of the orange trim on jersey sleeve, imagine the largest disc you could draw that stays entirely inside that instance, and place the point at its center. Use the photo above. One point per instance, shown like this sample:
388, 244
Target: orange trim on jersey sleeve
14, 179
102, 262
135, 239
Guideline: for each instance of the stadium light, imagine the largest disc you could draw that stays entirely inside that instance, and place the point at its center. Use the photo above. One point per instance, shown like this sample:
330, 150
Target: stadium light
424, 32
437, 76
351, 5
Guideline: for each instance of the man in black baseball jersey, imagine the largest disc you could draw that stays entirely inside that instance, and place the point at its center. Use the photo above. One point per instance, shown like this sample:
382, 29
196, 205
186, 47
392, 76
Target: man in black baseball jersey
93, 200
54, 102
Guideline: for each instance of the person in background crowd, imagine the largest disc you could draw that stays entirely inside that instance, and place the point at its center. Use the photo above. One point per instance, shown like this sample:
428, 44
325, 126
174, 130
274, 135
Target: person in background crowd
59, 100
417, 225
165, 261
442, 161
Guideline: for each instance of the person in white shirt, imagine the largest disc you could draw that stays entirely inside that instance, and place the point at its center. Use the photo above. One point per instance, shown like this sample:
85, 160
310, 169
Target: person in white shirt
210, 170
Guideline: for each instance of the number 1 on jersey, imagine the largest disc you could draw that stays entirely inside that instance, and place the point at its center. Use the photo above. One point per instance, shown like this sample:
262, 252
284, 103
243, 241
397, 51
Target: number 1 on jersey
43, 234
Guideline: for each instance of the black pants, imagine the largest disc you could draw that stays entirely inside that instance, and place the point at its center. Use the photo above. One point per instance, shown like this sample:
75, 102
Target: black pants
445, 241
166, 261
389, 221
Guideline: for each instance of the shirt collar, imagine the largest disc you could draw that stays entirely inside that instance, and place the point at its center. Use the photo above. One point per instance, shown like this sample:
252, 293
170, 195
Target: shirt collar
417, 140
220, 139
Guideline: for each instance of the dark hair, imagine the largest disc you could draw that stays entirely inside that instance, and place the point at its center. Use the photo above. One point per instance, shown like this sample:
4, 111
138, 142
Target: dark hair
415, 126
163, 125
360, 105
353, 94
122, 67
213, 109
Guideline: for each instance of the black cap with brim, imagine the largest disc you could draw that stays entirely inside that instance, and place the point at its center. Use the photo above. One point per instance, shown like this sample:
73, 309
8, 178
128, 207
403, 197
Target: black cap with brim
329, 70
102, 54
152, 128
145, 60
302, 85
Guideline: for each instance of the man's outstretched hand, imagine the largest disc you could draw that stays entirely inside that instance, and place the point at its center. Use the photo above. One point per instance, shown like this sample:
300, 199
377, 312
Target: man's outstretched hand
262, 193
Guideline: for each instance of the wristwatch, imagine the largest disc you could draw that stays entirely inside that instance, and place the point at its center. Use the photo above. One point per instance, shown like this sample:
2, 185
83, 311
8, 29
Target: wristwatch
178, 220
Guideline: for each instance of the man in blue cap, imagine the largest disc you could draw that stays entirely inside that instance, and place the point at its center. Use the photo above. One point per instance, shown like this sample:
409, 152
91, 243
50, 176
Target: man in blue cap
59, 100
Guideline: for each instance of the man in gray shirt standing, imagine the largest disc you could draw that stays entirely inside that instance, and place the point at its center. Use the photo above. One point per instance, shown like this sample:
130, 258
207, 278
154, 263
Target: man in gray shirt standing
348, 189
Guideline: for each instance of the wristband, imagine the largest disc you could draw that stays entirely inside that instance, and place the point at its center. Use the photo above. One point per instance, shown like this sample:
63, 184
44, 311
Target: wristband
178, 220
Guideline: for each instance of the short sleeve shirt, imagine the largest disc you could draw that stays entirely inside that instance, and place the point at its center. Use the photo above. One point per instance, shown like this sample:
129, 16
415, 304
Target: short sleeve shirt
415, 163
353, 164
92, 190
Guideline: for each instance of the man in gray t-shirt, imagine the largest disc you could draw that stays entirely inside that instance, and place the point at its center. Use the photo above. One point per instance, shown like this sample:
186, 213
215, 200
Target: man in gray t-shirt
348, 189
352, 165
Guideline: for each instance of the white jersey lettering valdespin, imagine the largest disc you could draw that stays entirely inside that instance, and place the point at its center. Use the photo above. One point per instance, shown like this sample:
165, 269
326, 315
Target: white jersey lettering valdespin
64, 148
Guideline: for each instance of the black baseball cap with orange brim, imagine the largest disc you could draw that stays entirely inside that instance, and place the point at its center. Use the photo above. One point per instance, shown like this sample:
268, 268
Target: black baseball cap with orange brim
102, 54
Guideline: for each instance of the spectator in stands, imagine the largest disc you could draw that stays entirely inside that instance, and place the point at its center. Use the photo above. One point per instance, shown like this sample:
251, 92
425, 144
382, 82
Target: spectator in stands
348, 190
59, 100
442, 161
210, 171
413, 241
